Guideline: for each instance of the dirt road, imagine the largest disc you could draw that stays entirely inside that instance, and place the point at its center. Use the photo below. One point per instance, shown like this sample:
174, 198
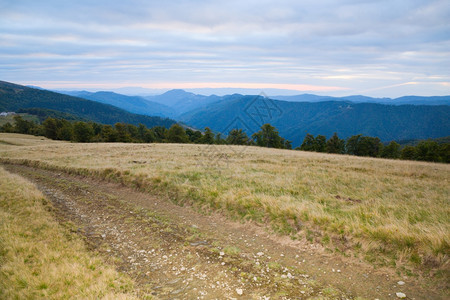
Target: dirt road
173, 252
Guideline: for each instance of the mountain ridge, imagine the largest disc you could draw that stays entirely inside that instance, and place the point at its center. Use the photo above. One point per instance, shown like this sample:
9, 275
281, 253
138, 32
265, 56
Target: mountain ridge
14, 97
295, 119
134, 104
176, 102
321, 115
404, 100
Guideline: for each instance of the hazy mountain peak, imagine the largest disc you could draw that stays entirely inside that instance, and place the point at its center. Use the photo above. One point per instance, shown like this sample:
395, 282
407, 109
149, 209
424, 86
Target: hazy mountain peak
177, 93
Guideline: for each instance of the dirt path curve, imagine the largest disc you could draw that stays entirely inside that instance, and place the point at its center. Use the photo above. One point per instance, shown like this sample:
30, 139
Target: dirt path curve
173, 252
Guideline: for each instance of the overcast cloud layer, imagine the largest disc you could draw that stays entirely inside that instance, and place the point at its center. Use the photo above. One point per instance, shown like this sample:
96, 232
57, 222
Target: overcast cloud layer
379, 48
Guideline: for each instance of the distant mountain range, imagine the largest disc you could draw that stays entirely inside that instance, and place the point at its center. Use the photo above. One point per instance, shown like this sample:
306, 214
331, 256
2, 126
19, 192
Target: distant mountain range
295, 119
404, 118
181, 101
15, 97
169, 104
174, 103
134, 104
413, 100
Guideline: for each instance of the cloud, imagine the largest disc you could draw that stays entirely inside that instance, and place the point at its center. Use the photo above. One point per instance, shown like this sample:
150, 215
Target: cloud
354, 45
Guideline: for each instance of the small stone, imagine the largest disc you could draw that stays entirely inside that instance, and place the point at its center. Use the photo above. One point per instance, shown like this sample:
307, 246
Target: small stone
239, 292
104, 236
401, 282
175, 292
260, 253
400, 295
222, 253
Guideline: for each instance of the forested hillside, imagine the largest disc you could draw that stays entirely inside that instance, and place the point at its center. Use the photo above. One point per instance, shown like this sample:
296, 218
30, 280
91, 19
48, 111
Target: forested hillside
14, 97
134, 104
295, 119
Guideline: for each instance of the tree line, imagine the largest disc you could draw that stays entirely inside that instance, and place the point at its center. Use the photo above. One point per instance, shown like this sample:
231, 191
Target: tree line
267, 136
86, 132
360, 145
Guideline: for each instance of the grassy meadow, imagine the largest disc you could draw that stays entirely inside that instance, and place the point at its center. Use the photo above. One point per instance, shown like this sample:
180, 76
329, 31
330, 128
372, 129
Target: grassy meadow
10, 118
39, 259
390, 212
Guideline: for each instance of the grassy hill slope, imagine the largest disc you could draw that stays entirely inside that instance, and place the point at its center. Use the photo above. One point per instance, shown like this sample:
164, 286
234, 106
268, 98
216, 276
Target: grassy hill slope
24, 115
392, 213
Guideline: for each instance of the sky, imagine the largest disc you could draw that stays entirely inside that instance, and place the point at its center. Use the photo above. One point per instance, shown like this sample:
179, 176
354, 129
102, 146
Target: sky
376, 48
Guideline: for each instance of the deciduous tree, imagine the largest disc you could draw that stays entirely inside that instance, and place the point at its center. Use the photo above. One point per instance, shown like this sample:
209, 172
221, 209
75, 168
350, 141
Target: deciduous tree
82, 132
269, 137
177, 134
391, 151
208, 136
237, 137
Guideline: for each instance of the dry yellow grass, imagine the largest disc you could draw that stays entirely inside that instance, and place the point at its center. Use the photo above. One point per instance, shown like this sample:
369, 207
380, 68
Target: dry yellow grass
15, 139
41, 260
375, 206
